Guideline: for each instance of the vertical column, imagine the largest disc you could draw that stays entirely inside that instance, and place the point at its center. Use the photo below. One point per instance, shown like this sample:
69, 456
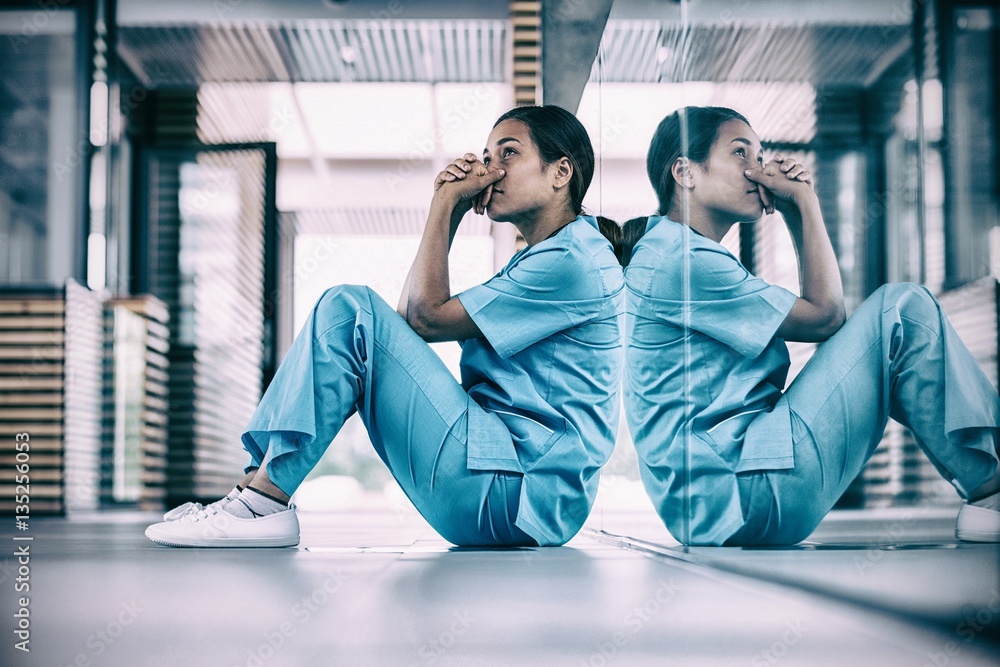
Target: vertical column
136, 375
83, 391
526, 51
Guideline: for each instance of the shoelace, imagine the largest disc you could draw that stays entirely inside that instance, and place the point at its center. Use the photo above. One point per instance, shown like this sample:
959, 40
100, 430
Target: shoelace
196, 508
204, 513
182, 510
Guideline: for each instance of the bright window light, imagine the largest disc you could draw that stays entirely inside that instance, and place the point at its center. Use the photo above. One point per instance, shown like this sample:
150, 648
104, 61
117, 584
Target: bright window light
381, 262
96, 265
99, 113
622, 117
369, 120
466, 113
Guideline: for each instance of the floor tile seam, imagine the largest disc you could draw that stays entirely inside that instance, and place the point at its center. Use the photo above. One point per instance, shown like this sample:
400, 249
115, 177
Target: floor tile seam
729, 574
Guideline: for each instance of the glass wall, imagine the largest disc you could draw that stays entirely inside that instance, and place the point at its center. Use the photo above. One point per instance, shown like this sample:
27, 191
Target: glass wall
970, 36
42, 150
892, 107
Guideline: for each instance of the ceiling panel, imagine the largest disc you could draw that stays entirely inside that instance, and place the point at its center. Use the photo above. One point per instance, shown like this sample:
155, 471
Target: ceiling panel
651, 51
317, 51
469, 50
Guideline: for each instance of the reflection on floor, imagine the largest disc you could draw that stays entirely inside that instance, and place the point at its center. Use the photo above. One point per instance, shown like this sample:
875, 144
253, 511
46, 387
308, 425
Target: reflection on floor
905, 560
380, 588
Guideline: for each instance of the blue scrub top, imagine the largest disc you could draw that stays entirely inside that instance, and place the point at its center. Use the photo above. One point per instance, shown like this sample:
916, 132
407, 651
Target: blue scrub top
549, 368
703, 373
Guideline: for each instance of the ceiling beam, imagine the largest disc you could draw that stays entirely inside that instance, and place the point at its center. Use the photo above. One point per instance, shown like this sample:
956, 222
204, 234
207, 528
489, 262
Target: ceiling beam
780, 12
146, 13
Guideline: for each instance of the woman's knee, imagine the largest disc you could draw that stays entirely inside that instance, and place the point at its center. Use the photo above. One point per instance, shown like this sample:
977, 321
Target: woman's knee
908, 298
343, 299
348, 293
918, 310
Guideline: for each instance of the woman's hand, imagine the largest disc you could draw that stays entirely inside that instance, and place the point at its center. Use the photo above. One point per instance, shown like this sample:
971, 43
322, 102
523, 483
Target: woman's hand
468, 182
783, 184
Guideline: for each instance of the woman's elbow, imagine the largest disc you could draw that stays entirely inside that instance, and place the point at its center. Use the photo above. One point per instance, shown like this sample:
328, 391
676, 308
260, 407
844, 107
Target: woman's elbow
835, 318
416, 322
422, 322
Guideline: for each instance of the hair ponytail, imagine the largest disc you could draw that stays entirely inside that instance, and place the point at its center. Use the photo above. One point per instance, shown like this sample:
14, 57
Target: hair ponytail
632, 231
613, 233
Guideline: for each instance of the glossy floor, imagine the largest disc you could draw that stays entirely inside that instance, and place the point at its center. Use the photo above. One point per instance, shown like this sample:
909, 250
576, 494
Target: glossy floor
378, 587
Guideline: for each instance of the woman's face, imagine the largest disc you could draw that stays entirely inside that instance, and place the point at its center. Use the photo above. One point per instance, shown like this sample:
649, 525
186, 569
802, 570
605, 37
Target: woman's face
525, 187
720, 186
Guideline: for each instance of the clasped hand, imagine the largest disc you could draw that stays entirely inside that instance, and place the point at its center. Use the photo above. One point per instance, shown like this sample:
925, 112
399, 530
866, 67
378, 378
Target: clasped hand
783, 194
469, 182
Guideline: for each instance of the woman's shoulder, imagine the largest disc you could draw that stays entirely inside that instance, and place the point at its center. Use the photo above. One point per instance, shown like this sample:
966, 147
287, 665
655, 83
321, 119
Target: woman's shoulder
582, 241
575, 244
673, 238
662, 238
669, 250
585, 229
581, 256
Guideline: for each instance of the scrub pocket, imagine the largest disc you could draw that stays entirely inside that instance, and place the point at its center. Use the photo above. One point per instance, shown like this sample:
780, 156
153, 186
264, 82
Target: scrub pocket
768, 443
755, 440
490, 443
726, 437
532, 439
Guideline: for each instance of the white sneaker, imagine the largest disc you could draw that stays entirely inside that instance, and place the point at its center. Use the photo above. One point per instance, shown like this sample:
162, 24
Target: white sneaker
214, 527
194, 508
185, 509
977, 524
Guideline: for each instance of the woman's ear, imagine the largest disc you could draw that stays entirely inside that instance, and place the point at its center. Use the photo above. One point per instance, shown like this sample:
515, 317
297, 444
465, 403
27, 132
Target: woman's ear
681, 172
563, 172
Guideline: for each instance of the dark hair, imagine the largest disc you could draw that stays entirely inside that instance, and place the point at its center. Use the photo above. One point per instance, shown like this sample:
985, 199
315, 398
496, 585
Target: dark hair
557, 133
612, 232
688, 132
632, 231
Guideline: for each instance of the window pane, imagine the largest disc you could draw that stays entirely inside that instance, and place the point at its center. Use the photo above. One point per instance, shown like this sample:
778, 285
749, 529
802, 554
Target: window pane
40, 150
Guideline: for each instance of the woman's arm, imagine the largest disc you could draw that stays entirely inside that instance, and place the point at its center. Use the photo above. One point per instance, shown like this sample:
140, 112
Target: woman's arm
819, 312
426, 302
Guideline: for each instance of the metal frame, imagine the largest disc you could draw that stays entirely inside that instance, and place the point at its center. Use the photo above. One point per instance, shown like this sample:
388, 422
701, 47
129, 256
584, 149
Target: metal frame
945, 12
140, 246
84, 33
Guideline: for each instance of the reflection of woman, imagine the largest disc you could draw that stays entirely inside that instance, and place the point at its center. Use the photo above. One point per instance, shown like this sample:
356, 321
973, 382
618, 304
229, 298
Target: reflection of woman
726, 457
510, 456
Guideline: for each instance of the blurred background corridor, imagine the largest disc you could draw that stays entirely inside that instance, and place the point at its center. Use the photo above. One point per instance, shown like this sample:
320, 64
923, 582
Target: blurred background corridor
180, 181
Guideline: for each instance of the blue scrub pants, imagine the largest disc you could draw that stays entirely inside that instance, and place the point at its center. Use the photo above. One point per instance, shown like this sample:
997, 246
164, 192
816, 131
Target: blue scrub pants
355, 353
898, 357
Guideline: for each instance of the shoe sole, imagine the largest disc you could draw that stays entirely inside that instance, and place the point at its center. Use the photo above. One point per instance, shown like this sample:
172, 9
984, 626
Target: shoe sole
978, 524
974, 536
231, 543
